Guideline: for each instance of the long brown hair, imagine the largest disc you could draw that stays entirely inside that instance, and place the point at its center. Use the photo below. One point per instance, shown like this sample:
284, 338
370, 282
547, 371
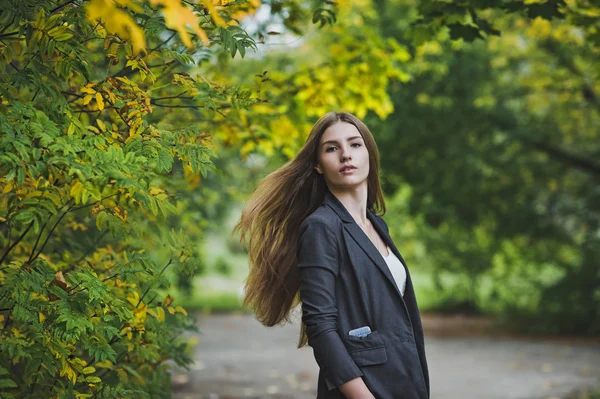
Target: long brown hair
272, 216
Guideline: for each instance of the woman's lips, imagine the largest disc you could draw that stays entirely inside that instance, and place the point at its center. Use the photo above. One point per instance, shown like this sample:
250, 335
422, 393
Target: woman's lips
347, 171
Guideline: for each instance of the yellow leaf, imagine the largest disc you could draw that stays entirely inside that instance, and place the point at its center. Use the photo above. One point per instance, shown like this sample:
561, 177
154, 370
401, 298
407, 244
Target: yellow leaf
89, 370
71, 129
77, 361
116, 21
77, 190
139, 315
42, 317
17, 333
214, 13
178, 16
160, 314
101, 125
34, 194
68, 371
124, 80
133, 298
168, 300
134, 113
105, 365
100, 101
133, 128
87, 99
182, 310
156, 190
88, 90
126, 331
110, 94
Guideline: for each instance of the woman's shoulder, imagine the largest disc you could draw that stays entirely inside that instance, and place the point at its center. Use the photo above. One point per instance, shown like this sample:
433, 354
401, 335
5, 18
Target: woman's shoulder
320, 229
322, 215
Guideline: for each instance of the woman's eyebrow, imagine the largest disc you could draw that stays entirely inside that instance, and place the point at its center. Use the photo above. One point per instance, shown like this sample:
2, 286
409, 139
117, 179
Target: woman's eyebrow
337, 142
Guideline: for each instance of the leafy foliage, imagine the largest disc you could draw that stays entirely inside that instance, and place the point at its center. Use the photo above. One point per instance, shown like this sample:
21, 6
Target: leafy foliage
97, 166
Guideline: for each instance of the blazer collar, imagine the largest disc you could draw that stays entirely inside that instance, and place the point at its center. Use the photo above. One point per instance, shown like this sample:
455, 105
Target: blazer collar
364, 241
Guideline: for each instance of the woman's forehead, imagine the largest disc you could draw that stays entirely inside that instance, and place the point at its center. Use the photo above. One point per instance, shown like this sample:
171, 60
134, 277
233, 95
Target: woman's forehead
340, 131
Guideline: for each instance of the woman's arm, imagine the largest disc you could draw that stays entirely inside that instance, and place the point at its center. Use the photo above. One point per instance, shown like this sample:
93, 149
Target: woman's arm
318, 268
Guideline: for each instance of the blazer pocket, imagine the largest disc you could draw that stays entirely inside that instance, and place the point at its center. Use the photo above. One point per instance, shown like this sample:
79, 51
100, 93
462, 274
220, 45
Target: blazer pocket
366, 351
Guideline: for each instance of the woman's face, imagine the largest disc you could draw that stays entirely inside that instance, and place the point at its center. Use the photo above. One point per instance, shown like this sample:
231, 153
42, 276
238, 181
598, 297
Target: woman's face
342, 144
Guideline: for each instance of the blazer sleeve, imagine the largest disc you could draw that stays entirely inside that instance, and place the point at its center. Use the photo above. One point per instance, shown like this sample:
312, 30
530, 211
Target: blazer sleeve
318, 267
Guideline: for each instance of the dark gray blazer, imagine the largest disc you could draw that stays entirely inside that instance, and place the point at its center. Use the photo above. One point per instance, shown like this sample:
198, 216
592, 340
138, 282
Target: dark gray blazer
344, 284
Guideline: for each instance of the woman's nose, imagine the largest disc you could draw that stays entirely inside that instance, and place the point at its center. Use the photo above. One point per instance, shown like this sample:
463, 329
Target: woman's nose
345, 153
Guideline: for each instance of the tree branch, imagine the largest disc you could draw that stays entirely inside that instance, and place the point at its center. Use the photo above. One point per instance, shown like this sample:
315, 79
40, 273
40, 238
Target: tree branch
180, 95
52, 230
37, 241
58, 8
94, 203
15, 243
555, 153
225, 106
148, 289
4, 35
566, 158
163, 43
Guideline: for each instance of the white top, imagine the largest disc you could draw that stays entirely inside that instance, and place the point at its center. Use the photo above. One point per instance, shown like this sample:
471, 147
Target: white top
397, 269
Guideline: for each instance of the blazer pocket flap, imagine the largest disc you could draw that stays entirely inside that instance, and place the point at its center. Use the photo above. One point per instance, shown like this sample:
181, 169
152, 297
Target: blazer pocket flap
368, 357
358, 343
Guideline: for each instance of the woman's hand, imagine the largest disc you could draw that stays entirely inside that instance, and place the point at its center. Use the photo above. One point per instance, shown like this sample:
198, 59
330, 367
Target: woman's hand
356, 389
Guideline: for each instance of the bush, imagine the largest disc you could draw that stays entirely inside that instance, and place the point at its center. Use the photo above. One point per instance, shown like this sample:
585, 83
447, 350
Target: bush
91, 204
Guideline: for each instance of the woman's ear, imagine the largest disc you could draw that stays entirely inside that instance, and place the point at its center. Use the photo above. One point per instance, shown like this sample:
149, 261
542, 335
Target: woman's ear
318, 169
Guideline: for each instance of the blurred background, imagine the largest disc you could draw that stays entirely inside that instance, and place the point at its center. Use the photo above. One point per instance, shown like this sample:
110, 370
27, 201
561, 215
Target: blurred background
489, 151
486, 115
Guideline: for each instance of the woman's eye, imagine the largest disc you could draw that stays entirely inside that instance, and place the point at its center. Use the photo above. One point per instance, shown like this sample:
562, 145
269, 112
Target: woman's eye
357, 144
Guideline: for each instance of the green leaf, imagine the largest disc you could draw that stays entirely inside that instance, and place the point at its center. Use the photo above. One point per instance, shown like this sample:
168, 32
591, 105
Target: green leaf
20, 175
165, 161
101, 351
547, 10
466, 32
10, 175
7, 384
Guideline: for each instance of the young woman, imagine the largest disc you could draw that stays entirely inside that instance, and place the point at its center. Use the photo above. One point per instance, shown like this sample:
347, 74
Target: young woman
315, 237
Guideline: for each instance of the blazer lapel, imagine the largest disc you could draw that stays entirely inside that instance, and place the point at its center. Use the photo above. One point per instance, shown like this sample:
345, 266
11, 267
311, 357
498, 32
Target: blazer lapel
381, 230
363, 240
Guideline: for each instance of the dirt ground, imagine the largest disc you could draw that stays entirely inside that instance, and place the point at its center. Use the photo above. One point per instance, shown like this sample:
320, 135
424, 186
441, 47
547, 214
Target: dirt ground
237, 357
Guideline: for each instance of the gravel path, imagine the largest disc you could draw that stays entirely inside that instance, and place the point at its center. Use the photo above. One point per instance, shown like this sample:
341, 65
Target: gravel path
236, 357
